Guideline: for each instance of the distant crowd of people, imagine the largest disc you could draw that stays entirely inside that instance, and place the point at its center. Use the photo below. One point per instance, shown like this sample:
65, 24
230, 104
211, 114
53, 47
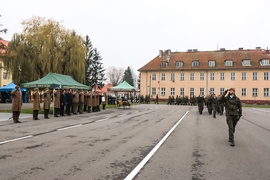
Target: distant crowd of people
66, 102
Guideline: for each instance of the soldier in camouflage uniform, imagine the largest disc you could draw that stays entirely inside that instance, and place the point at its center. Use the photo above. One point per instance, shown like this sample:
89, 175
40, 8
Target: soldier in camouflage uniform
200, 102
214, 103
233, 107
208, 103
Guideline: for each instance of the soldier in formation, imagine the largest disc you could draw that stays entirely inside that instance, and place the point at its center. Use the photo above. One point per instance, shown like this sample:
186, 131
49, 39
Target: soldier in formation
46, 102
200, 102
56, 94
208, 103
16, 104
36, 103
214, 103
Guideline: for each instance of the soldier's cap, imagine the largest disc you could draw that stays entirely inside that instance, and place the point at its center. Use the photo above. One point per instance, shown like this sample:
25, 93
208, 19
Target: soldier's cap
232, 89
35, 89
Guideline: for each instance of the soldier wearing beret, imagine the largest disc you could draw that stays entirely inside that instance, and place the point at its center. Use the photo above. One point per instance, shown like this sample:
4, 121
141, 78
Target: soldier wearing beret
233, 107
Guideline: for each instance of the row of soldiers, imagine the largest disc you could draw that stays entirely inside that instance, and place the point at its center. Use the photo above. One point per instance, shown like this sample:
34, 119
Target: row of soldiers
213, 103
182, 100
67, 102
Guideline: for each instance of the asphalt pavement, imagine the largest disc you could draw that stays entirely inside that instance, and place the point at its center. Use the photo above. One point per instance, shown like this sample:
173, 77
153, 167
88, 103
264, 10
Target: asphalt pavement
142, 142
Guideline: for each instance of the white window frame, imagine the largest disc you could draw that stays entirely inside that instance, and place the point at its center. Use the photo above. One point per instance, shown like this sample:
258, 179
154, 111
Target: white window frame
233, 78
228, 63
172, 91
212, 76
264, 62
163, 77
221, 90
222, 76
182, 76
182, 91
192, 76
202, 91
195, 63
211, 63
212, 90
244, 91
179, 64
244, 76
154, 91
255, 92
246, 62
163, 91
172, 77
255, 76
266, 92
266, 76
202, 76
154, 76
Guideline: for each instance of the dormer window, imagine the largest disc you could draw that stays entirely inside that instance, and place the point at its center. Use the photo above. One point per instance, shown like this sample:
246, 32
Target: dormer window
164, 64
211, 63
179, 64
228, 63
195, 63
246, 62
264, 62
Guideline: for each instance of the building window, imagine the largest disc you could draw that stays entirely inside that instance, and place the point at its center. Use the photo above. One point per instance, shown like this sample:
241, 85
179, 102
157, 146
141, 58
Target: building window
233, 76
266, 76
154, 76
202, 76
164, 64
221, 90
255, 76
255, 92
163, 77
212, 90
202, 91
172, 77
192, 76
265, 92
179, 64
244, 76
212, 76
246, 62
163, 91
4, 75
195, 63
191, 91
154, 91
222, 76
211, 63
182, 76
244, 92
172, 91
264, 62
228, 63
182, 91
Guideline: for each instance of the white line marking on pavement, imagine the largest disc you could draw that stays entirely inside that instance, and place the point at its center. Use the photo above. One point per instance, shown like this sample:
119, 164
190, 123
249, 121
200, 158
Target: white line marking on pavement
17, 139
261, 110
102, 120
69, 127
135, 171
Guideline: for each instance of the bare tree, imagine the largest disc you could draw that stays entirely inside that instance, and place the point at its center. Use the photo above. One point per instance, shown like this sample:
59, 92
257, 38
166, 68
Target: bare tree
115, 75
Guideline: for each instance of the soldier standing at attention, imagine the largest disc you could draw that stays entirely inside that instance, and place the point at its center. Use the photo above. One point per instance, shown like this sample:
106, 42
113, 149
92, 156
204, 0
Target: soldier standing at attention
233, 107
75, 102
68, 101
200, 102
214, 103
63, 101
46, 103
36, 104
56, 102
16, 104
81, 102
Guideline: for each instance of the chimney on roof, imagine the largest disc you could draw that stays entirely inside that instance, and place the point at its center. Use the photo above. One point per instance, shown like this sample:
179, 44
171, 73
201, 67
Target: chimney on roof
189, 50
222, 49
240, 48
195, 50
168, 52
160, 53
258, 48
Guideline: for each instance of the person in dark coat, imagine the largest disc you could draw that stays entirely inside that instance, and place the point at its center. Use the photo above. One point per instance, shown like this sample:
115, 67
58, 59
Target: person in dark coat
200, 102
62, 101
214, 102
16, 104
68, 101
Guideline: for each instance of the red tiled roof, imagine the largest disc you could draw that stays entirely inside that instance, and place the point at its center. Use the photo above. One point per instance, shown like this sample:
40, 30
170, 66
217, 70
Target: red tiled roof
3, 43
105, 88
204, 56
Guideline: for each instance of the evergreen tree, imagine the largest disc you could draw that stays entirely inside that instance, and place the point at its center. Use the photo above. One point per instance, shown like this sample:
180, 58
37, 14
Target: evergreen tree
88, 60
96, 70
128, 76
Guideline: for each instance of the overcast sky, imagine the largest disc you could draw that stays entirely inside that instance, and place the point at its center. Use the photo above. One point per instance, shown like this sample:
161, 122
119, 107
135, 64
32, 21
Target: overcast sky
131, 32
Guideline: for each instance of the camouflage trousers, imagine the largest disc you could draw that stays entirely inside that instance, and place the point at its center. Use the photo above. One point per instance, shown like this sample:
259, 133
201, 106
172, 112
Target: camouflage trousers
200, 107
231, 121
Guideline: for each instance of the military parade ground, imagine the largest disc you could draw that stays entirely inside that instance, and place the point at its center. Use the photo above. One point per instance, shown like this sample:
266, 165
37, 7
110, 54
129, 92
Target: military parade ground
144, 141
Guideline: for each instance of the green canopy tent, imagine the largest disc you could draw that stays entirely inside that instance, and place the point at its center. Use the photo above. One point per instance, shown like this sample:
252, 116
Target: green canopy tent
54, 80
123, 87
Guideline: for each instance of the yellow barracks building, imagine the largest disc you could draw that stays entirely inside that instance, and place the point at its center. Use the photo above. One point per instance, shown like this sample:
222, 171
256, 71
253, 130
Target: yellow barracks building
194, 72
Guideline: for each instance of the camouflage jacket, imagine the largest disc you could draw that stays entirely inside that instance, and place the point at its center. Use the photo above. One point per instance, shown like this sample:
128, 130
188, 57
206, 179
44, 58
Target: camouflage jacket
233, 106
